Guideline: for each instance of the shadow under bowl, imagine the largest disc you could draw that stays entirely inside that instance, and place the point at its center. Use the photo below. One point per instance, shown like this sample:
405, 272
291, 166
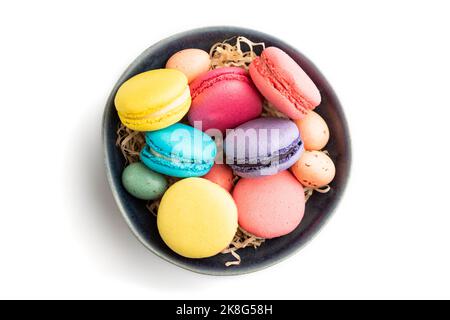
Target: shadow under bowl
319, 207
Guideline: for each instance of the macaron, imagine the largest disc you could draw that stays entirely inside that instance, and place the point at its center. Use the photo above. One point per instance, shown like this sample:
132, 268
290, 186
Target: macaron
284, 83
263, 146
143, 183
314, 131
179, 151
271, 206
192, 62
223, 99
222, 175
153, 100
197, 218
314, 169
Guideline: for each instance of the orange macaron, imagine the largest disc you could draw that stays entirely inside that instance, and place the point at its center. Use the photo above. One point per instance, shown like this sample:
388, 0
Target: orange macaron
269, 206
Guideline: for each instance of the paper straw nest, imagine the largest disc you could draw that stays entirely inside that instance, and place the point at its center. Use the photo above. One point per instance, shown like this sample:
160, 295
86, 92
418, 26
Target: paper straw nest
222, 54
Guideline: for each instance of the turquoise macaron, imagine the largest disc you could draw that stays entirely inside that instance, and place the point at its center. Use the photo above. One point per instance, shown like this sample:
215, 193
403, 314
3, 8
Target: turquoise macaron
179, 151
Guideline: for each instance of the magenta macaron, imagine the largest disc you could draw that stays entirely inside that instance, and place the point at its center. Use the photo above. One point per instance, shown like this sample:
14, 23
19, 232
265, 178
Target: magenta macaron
284, 83
223, 99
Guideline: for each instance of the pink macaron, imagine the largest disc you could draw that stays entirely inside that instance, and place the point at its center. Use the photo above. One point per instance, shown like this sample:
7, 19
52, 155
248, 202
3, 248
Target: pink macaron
223, 99
284, 83
269, 206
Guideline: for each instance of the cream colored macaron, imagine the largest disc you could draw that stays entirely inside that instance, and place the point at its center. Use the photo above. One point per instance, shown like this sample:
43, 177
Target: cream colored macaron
197, 218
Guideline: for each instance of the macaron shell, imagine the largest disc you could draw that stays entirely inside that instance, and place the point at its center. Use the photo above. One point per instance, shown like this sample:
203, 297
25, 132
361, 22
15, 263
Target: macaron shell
314, 131
284, 83
217, 75
223, 99
197, 218
192, 62
314, 169
270, 206
293, 74
149, 91
222, 175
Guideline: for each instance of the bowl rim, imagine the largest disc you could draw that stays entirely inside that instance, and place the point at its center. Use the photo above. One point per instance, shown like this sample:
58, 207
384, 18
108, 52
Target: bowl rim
235, 271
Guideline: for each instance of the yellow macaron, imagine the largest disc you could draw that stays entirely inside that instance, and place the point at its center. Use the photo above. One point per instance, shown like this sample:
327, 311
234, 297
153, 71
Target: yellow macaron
197, 218
153, 100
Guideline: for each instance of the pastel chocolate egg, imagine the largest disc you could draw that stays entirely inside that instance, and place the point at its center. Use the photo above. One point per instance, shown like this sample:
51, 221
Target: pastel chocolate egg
192, 62
143, 183
314, 131
314, 169
222, 175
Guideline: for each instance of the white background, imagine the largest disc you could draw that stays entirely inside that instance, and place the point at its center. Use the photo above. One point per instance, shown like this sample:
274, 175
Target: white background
61, 234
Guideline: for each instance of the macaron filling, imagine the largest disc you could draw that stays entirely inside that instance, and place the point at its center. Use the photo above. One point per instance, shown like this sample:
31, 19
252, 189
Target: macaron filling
279, 157
266, 69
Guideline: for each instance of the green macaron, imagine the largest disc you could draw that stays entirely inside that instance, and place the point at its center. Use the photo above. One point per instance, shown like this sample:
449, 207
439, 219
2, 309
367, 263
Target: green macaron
143, 183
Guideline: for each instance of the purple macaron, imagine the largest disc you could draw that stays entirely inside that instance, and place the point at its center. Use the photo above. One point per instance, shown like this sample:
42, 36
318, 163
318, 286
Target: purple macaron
263, 146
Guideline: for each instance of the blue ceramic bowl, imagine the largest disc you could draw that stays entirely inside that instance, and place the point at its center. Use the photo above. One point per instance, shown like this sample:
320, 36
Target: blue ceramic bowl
319, 207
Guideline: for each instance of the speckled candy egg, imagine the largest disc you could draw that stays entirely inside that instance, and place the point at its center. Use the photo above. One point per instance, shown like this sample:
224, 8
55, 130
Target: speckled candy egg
222, 175
314, 169
314, 131
192, 62
143, 183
